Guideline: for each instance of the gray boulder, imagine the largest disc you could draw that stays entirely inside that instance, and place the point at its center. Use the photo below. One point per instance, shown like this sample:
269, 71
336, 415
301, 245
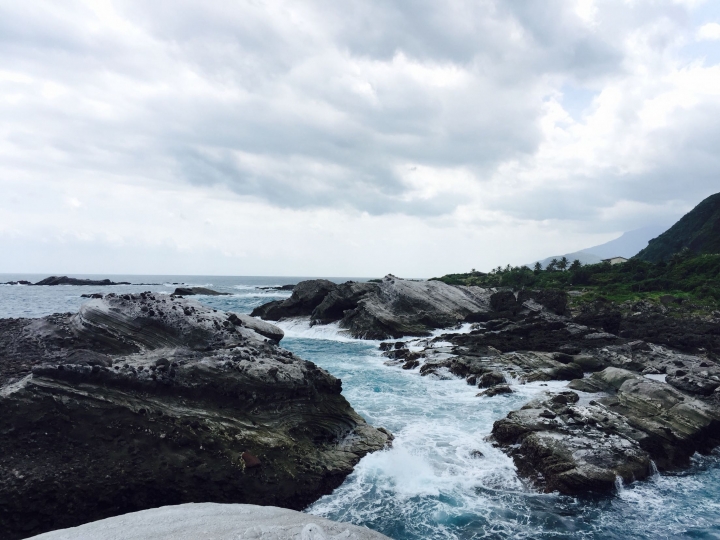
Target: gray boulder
390, 309
306, 296
399, 307
572, 449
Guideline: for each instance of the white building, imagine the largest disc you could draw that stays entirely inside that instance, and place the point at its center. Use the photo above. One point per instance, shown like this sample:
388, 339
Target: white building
615, 260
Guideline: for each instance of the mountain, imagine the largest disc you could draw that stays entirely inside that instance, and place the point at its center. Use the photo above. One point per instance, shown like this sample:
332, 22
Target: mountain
698, 231
627, 245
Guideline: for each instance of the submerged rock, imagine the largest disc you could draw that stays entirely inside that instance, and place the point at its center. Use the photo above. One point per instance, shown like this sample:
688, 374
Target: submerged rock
139, 401
210, 521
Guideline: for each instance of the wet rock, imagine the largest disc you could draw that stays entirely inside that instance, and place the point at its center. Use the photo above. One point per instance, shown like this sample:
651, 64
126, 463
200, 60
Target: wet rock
563, 358
563, 449
563, 372
496, 390
306, 296
491, 379
411, 364
608, 380
398, 307
340, 300
190, 291
390, 309
573, 449
110, 411
278, 288
64, 280
694, 383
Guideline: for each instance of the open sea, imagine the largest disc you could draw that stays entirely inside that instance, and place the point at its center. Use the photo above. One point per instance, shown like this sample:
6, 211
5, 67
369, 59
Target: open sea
429, 485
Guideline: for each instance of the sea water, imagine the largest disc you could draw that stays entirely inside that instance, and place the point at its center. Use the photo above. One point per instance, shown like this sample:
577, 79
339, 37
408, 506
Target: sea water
442, 478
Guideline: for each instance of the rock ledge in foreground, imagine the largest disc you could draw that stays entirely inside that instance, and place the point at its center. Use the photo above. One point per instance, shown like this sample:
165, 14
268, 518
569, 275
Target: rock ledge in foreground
211, 521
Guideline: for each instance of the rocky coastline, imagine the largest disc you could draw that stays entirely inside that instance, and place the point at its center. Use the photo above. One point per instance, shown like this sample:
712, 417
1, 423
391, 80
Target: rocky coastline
392, 308
144, 400
643, 378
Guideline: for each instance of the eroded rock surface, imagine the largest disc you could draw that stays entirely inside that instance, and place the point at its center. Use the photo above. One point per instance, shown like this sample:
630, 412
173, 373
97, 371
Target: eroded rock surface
192, 291
139, 401
645, 406
390, 309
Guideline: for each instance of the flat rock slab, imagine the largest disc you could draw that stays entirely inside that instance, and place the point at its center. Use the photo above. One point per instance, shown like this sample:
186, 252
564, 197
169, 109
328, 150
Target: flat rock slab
211, 521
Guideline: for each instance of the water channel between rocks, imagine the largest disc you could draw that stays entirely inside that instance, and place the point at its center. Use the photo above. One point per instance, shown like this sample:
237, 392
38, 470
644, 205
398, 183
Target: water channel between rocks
442, 478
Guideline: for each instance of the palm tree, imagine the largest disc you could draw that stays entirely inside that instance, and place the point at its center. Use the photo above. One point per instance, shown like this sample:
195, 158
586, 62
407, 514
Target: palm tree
538, 267
563, 263
576, 264
553, 264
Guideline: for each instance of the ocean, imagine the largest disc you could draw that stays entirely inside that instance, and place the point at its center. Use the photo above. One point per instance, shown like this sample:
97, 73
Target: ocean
442, 479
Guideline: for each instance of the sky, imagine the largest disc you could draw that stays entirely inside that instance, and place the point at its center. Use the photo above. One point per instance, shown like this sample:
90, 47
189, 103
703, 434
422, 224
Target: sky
353, 138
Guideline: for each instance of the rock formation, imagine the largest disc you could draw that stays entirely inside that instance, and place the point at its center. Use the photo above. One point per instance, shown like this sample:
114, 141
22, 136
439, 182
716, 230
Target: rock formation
144, 400
190, 291
657, 398
390, 309
209, 521
64, 280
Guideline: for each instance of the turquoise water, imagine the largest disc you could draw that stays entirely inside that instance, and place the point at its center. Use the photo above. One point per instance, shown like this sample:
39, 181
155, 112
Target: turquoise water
430, 484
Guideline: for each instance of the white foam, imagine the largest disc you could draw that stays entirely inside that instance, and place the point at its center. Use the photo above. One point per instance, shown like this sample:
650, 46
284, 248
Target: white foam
299, 327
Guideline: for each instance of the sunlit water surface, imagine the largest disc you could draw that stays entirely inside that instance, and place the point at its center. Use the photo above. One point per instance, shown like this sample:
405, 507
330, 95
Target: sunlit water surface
442, 478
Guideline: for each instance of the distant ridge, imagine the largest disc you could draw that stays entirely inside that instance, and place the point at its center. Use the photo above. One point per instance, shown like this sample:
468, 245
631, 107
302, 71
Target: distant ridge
627, 245
698, 231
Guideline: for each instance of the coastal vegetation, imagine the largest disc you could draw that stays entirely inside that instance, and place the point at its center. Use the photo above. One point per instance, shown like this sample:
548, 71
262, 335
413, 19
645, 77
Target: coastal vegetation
684, 275
698, 231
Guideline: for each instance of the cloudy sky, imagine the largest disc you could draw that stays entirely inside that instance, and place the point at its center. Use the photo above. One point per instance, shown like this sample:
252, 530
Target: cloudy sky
353, 138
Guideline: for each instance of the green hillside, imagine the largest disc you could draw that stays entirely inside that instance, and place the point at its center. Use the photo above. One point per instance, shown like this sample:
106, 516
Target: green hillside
684, 275
698, 231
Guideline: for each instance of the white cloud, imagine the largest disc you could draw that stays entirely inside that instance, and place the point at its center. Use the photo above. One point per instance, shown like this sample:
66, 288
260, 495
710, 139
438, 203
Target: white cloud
277, 136
709, 32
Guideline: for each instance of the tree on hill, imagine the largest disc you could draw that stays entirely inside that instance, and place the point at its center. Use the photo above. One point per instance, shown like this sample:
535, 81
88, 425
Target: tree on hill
576, 265
552, 266
563, 263
537, 268
698, 231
